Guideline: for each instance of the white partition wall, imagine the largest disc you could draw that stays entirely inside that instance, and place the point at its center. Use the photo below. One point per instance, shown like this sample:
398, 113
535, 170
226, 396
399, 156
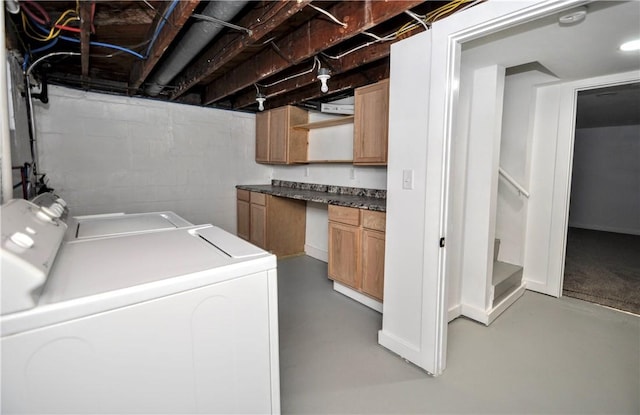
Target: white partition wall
483, 161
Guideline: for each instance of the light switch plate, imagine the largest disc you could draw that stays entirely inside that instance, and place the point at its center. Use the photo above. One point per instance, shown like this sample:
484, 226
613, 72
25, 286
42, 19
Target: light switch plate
407, 179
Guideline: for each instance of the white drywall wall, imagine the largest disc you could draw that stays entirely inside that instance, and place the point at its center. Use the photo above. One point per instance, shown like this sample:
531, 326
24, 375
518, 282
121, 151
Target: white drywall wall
605, 187
105, 153
515, 155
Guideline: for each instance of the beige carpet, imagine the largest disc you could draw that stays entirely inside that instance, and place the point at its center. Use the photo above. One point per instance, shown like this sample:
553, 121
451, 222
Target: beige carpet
603, 268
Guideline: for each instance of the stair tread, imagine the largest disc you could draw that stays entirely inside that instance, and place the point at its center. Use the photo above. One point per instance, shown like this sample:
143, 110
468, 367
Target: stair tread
502, 271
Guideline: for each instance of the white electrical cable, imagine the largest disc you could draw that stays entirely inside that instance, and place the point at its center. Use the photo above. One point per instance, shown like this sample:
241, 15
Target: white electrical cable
326, 13
315, 61
417, 18
28, 72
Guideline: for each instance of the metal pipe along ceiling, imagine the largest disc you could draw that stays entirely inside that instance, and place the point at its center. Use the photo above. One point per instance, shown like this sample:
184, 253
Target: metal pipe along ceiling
197, 38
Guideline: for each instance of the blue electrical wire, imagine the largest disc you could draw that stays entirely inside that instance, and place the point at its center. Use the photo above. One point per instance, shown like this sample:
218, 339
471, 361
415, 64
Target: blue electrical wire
108, 45
38, 50
167, 13
104, 45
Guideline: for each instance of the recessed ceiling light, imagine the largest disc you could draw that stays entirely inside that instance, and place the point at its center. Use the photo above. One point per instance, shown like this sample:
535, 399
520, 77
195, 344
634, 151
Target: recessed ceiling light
574, 16
630, 46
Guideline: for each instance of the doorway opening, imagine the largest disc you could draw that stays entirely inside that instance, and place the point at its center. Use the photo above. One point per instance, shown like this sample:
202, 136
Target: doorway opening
602, 264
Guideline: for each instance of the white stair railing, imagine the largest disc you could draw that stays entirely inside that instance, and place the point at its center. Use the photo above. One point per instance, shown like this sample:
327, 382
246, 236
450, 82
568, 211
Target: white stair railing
521, 190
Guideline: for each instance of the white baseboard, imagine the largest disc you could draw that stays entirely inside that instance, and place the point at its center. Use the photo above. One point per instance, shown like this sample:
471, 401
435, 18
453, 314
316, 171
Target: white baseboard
486, 317
454, 312
474, 314
316, 253
361, 298
400, 347
504, 304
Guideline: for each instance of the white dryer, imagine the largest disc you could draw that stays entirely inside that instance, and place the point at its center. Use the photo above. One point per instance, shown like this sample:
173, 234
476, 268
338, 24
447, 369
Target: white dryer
180, 321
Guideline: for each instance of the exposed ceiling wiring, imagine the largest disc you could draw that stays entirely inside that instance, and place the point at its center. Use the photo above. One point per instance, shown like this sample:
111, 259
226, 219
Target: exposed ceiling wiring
315, 61
326, 13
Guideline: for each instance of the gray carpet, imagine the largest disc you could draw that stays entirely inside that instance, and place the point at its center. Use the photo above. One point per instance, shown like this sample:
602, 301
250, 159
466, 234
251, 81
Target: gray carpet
603, 268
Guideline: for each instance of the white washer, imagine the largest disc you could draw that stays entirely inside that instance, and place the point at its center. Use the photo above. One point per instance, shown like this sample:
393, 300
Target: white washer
110, 224
180, 321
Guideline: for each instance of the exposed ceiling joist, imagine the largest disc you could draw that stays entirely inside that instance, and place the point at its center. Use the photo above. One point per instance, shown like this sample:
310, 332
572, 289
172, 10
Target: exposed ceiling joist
308, 40
141, 69
126, 43
350, 62
85, 38
343, 83
222, 51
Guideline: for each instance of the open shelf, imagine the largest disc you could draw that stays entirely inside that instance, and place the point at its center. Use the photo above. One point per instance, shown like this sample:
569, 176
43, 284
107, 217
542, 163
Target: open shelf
326, 123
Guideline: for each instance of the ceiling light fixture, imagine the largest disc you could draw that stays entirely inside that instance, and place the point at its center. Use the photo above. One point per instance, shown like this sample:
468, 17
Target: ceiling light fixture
323, 75
260, 99
630, 46
574, 16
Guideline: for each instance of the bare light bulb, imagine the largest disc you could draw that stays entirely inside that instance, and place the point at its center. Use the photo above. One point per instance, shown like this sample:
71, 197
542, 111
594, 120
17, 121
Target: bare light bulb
260, 98
324, 75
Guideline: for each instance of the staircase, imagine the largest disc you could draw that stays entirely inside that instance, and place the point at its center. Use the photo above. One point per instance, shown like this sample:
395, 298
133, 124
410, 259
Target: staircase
506, 282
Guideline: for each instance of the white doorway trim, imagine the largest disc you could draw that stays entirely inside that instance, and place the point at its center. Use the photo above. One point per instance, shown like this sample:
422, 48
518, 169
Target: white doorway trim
564, 167
447, 38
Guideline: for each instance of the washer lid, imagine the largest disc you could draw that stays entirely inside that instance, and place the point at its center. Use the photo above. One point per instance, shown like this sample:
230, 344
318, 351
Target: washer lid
89, 267
84, 227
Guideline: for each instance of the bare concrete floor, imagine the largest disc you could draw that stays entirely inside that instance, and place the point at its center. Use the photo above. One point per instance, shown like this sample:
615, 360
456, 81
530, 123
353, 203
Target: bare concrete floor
542, 356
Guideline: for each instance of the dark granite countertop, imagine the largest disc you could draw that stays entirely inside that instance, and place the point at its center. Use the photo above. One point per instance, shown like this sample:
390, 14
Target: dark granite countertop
371, 199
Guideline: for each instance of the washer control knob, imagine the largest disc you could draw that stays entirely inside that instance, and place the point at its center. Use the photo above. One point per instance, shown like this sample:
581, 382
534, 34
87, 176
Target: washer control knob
22, 240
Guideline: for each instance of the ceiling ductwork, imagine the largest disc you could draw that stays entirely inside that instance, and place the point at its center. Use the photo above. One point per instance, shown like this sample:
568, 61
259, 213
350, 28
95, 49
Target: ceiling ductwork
199, 35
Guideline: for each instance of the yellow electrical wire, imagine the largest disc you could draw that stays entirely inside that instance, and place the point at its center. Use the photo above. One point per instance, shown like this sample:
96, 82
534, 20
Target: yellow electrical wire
444, 10
53, 32
34, 34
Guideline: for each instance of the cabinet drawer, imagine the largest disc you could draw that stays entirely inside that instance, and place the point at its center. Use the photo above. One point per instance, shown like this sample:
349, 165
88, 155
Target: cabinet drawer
347, 215
374, 220
244, 195
258, 198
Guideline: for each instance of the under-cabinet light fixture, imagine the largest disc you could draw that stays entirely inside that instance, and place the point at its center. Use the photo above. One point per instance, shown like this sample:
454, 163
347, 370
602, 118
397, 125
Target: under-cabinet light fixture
323, 75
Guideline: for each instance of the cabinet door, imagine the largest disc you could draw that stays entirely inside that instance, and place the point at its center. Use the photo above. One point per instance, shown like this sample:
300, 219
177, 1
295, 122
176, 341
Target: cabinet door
278, 135
373, 263
258, 229
371, 124
344, 254
262, 137
244, 219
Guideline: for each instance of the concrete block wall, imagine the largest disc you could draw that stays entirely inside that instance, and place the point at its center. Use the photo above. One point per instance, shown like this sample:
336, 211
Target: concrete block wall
104, 153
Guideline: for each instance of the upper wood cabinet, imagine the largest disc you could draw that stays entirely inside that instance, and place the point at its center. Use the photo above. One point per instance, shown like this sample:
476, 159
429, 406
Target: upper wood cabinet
371, 124
276, 141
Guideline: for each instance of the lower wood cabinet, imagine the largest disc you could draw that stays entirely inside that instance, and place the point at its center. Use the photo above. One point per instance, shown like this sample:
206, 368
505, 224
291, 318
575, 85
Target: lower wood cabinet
356, 249
243, 213
273, 223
